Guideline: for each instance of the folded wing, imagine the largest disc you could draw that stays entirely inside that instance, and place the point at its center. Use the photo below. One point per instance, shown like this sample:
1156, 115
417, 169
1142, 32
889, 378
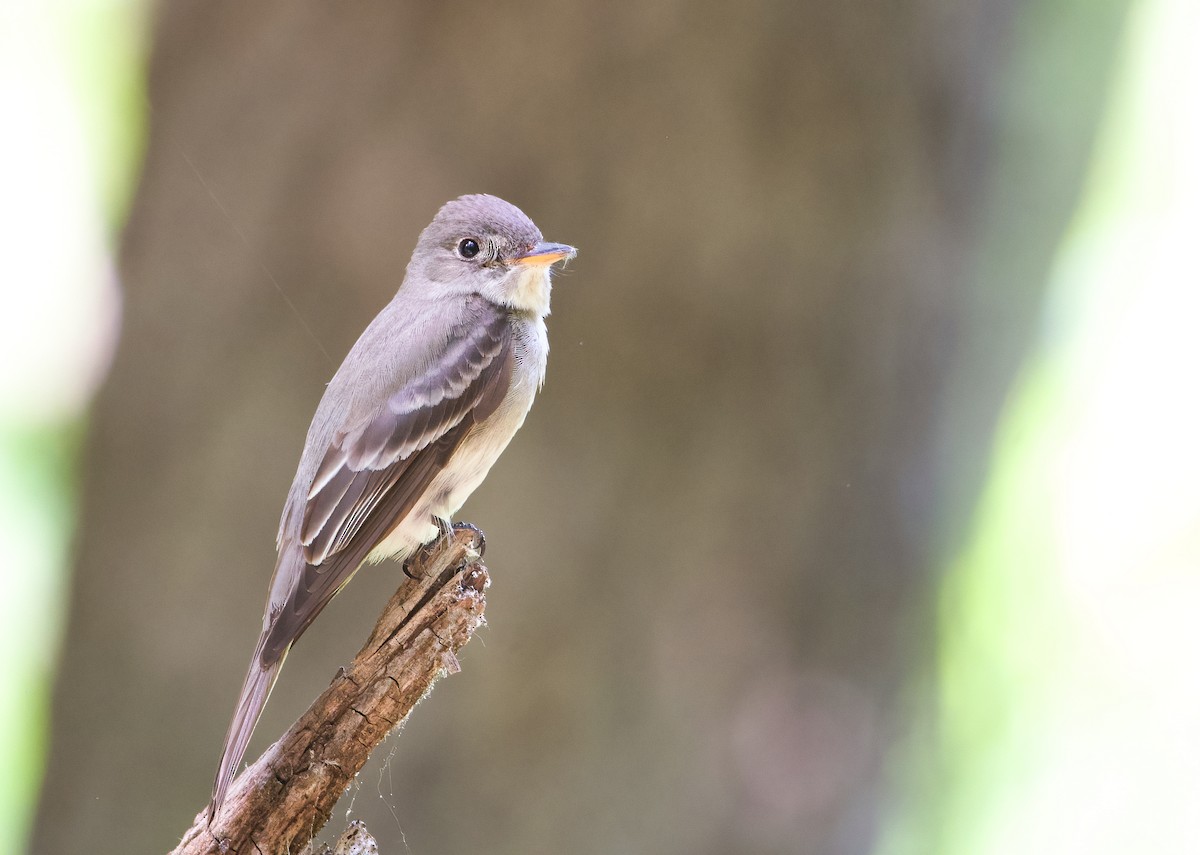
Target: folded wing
373, 475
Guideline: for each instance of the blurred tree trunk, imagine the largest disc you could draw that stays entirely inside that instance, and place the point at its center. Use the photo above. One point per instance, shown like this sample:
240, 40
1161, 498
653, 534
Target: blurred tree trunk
813, 237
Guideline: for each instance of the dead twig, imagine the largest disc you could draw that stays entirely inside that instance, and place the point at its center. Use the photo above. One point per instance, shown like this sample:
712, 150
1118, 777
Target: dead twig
280, 802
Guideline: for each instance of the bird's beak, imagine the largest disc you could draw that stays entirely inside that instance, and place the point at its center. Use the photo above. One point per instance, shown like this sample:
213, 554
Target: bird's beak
545, 254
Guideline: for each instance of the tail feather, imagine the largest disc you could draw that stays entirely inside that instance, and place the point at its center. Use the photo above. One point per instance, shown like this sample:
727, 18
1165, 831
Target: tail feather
255, 691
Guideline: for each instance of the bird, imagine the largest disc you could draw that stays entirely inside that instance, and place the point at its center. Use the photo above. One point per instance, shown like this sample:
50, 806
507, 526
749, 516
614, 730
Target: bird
422, 406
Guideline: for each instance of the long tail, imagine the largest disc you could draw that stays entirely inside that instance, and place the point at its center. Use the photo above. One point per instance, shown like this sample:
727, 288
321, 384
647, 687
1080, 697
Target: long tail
255, 691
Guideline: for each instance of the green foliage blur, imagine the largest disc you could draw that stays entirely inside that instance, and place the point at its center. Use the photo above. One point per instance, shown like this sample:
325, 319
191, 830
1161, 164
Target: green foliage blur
71, 87
1068, 697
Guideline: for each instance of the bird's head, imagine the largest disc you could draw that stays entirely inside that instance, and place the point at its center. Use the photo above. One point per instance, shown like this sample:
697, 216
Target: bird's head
483, 245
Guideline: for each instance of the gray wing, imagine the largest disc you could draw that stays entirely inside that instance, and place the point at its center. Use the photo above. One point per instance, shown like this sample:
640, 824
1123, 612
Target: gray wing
372, 476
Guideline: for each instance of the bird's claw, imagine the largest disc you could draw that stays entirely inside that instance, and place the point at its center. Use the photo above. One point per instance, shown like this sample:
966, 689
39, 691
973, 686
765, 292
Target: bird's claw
477, 531
422, 556
446, 530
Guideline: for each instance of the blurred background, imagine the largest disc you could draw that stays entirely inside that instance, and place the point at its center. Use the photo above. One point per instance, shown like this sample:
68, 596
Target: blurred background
860, 512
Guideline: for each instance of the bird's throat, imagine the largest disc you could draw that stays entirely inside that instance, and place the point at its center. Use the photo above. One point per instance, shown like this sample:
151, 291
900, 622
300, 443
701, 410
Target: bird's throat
532, 291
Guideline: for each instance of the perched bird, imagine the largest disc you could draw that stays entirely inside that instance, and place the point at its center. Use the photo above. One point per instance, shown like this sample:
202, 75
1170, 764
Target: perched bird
412, 421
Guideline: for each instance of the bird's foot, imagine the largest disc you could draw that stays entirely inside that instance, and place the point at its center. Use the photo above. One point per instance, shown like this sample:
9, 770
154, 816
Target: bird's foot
415, 565
480, 537
407, 565
425, 553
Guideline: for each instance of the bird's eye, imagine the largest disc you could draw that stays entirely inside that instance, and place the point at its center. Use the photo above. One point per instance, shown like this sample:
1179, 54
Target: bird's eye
468, 247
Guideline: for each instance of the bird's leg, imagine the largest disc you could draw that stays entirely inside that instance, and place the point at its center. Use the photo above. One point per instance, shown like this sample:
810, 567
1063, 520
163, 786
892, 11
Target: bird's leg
425, 552
476, 530
445, 538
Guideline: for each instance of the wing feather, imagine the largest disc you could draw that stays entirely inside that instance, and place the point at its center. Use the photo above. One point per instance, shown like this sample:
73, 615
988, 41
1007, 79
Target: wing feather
373, 474
317, 584
324, 503
413, 417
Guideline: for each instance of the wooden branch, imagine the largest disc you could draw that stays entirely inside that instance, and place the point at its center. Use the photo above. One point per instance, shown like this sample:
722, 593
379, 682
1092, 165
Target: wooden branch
280, 802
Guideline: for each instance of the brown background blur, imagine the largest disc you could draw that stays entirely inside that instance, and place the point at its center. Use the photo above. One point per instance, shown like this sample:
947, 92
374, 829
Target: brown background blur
811, 240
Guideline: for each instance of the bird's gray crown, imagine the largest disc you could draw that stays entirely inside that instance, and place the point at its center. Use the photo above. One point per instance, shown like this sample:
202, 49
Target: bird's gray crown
484, 218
